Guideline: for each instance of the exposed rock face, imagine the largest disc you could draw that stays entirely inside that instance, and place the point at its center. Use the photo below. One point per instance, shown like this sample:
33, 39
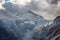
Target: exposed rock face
19, 29
51, 32
24, 29
57, 20
4, 34
55, 29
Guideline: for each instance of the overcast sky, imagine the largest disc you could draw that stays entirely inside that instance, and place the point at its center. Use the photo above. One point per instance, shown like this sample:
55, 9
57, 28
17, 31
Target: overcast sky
48, 9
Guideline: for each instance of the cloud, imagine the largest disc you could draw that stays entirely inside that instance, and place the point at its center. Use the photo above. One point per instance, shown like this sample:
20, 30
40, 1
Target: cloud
20, 2
48, 9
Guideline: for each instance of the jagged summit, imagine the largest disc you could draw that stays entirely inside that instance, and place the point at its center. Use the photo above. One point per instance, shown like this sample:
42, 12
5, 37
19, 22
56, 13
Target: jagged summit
57, 20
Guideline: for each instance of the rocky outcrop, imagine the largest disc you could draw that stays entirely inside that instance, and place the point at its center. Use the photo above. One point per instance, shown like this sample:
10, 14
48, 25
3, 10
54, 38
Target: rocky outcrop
51, 32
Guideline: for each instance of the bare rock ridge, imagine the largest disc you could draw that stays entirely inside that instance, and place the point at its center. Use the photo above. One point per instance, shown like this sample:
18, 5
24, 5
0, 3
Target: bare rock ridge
57, 20
51, 32
16, 28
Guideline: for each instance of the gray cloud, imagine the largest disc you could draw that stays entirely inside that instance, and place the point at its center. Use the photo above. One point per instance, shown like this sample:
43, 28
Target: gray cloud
48, 9
53, 1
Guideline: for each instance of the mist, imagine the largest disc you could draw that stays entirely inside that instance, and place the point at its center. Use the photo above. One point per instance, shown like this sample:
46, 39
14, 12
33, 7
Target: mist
24, 18
48, 9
